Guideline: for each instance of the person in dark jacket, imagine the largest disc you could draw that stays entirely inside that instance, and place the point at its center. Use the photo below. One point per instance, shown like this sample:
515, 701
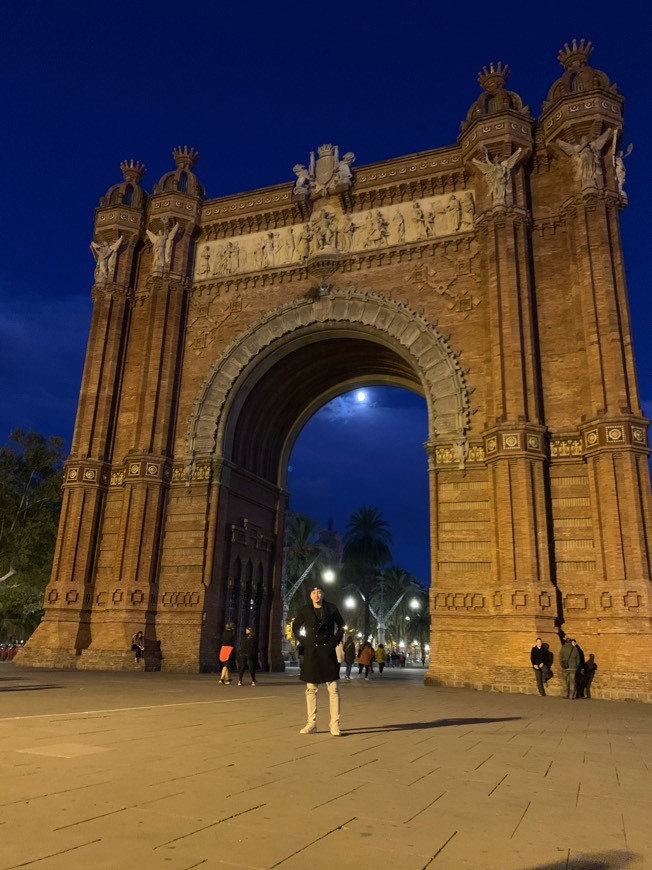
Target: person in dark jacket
324, 628
248, 656
590, 668
226, 651
579, 673
349, 655
569, 658
539, 659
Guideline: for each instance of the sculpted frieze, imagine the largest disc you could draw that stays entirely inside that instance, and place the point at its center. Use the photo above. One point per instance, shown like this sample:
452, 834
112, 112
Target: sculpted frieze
331, 230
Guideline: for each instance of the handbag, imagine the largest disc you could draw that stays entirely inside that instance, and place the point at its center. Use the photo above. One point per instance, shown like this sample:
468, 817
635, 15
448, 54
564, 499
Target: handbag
339, 652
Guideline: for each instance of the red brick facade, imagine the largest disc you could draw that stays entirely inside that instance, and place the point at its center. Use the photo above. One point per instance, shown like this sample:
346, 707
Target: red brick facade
487, 275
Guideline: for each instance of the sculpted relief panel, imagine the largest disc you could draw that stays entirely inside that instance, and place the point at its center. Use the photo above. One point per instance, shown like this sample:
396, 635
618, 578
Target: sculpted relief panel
330, 230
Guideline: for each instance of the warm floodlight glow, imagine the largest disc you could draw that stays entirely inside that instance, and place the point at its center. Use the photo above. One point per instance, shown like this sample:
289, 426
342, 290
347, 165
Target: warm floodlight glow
328, 576
414, 604
350, 602
427, 647
359, 634
361, 396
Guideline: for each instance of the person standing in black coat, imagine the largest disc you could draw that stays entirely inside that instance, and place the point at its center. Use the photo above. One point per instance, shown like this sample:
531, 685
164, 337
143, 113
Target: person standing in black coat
248, 656
538, 657
324, 628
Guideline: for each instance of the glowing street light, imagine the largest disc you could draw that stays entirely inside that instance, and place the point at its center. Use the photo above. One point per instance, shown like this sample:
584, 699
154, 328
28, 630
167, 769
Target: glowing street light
350, 602
415, 604
328, 576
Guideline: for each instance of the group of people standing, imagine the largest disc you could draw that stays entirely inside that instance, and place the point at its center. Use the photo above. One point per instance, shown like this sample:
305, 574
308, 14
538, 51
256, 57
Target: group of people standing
578, 671
246, 657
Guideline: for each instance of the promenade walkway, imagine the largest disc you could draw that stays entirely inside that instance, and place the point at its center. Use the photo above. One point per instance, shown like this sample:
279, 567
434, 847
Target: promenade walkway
150, 770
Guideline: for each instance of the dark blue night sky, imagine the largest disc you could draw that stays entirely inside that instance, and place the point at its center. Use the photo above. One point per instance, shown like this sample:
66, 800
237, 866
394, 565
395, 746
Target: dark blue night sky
255, 87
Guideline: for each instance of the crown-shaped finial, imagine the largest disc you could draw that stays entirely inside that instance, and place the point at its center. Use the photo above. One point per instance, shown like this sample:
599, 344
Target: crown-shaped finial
185, 157
576, 54
132, 170
494, 77
325, 150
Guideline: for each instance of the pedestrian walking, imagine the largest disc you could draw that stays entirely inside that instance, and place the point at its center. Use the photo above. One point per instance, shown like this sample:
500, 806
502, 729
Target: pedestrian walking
248, 657
365, 658
324, 628
381, 657
226, 651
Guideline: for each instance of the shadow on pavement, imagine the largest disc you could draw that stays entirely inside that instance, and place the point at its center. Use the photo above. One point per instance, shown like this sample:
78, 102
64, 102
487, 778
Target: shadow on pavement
597, 861
436, 723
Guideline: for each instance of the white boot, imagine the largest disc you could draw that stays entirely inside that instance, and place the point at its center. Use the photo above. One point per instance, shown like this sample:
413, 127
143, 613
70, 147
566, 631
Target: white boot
311, 704
334, 705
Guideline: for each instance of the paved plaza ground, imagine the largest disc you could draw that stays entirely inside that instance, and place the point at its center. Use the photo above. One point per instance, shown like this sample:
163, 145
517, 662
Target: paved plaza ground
151, 770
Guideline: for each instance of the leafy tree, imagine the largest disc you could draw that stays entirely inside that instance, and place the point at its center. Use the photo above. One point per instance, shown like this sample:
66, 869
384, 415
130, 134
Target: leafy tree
30, 503
366, 550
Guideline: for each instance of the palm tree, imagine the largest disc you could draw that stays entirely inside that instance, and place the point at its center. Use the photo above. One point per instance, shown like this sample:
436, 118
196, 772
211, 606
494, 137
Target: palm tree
397, 585
366, 550
303, 546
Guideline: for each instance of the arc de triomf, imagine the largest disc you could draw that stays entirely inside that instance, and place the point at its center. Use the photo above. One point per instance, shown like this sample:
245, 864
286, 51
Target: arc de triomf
487, 276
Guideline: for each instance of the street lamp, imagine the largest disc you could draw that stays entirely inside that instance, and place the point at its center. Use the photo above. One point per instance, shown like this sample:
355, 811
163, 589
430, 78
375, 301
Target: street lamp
350, 603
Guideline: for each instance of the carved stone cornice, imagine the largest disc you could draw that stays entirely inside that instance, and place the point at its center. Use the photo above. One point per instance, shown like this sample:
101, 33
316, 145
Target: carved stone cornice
460, 455
184, 207
145, 467
89, 473
585, 113
123, 217
608, 434
99, 292
501, 216
515, 441
565, 447
167, 281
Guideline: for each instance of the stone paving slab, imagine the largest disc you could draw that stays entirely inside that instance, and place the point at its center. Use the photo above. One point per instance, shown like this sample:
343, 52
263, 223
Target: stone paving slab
149, 770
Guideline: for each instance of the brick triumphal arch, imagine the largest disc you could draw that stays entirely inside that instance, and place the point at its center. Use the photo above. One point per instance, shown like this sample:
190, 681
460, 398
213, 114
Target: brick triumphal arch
487, 276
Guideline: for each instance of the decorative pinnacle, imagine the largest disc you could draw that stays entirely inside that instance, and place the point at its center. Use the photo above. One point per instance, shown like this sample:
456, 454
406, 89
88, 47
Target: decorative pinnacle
133, 170
185, 157
576, 54
493, 78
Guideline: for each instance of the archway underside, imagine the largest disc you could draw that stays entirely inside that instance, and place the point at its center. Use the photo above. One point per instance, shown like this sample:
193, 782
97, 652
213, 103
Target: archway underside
294, 387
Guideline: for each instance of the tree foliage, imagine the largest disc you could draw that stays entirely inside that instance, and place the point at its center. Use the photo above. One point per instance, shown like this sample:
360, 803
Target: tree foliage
366, 549
30, 503
303, 545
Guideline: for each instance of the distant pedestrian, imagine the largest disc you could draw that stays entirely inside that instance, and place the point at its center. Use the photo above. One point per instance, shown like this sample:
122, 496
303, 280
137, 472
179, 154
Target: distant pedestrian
590, 668
349, 655
569, 659
381, 657
366, 657
248, 657
538, 656
226, 651
138, 646
324, 628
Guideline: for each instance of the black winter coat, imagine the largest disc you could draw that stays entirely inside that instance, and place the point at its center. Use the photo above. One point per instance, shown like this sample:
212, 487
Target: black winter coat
249, 648
320, 664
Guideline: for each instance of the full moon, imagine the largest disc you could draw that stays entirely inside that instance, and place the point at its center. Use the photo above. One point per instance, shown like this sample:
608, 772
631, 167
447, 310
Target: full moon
361, 396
